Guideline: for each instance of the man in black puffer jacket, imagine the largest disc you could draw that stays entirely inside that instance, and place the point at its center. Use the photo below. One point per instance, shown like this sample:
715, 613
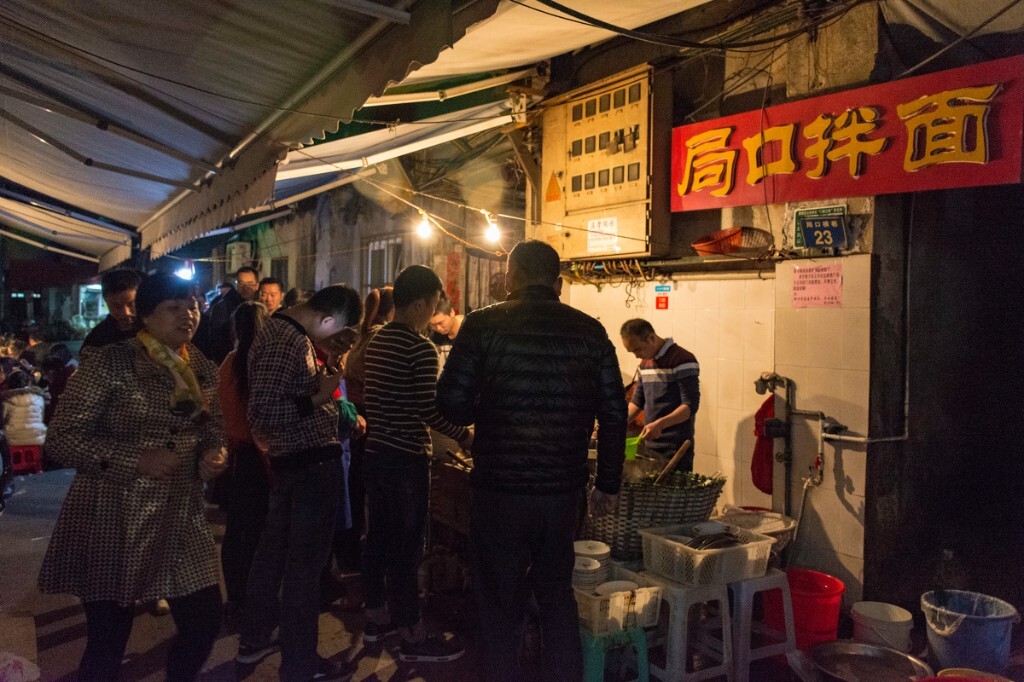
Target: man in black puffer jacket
532, 374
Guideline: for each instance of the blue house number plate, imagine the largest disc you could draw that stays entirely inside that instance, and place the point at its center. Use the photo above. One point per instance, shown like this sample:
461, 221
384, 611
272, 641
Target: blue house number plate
823, 228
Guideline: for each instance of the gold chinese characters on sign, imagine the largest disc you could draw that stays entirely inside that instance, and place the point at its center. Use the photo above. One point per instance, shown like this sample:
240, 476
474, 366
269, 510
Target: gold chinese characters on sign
944, 128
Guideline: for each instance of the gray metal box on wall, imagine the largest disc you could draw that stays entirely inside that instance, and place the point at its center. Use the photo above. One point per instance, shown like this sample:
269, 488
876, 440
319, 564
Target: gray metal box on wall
605, 169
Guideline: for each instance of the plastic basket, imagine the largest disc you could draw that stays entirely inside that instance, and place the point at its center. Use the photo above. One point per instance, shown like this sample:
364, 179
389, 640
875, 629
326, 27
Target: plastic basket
755, 239
719, 242
772, 524
642, 505
621, 610
702, 567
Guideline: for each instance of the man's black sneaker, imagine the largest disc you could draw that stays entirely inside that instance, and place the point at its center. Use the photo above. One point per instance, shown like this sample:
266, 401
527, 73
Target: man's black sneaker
334, 671
251, 655
375, 633
432, 649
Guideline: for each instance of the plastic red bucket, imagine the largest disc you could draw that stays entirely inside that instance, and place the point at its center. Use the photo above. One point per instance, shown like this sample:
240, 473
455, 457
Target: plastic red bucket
816, 600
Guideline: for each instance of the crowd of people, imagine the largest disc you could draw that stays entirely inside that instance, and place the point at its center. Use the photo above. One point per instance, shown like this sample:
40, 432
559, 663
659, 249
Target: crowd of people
309, 416
33, 375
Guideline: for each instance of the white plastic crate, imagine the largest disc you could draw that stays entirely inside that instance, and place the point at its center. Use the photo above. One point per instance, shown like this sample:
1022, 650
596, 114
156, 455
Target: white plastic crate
700, 567
621, 610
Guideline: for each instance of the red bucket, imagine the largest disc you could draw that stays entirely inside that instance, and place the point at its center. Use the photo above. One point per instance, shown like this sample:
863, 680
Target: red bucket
816, 601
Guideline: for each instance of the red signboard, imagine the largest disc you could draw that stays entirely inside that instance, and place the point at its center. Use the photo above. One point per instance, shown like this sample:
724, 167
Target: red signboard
661, 302
957, 128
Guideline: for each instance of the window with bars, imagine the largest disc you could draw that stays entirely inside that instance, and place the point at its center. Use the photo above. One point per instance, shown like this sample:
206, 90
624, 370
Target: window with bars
279, 270
383, 261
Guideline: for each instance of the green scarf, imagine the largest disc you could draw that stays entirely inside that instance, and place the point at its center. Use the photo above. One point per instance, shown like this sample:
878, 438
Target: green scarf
187, 396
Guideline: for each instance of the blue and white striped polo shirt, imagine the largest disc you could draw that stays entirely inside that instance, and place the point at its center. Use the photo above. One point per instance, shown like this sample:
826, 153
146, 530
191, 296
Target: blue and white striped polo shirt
670, 379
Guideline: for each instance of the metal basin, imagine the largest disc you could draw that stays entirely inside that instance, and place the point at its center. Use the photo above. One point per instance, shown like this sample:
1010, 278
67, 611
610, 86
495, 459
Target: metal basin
855, 662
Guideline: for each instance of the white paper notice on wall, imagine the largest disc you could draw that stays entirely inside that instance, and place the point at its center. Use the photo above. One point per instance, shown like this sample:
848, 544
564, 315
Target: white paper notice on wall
818, 286
603, 235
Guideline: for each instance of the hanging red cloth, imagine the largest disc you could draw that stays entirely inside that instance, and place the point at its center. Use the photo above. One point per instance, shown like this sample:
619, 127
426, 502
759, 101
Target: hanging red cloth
763, 462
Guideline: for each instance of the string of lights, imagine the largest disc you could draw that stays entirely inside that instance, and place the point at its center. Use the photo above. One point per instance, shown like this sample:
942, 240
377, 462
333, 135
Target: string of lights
492, 232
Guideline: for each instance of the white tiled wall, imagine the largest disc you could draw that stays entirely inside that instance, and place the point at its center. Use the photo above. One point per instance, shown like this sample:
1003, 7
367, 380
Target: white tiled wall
729, 325
739, 328
826, 353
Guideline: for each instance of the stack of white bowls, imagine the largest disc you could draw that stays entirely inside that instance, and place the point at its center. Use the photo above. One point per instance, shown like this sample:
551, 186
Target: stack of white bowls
595, 551
586, 574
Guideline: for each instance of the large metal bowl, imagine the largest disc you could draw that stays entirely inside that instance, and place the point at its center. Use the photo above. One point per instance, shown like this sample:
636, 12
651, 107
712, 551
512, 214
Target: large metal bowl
848, 661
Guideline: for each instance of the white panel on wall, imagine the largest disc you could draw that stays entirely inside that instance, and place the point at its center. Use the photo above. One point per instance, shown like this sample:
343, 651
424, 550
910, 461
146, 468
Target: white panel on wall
825, 351
729, 324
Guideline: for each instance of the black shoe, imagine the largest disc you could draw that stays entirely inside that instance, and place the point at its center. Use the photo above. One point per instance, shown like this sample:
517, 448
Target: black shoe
432, 649
375, 633
334, 671
251, 655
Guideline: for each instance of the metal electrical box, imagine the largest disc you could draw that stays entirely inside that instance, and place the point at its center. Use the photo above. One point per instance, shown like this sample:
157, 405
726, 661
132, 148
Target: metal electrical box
605, 169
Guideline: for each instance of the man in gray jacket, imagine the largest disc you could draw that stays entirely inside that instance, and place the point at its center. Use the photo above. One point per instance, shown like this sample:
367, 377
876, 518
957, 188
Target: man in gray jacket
532, 374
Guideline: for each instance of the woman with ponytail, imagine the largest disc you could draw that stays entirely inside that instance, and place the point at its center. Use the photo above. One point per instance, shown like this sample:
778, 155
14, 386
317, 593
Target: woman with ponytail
248, 486
379, 308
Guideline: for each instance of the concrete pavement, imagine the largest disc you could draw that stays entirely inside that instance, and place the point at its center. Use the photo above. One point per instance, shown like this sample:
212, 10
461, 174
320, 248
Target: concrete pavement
50, 629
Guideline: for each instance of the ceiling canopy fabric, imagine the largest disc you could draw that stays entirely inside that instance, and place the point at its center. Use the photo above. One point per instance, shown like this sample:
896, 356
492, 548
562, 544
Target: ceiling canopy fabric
361, 151
172, 116
83, 237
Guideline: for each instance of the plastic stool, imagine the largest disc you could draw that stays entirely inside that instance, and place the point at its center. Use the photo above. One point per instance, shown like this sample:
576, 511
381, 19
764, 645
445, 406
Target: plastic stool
26, 459
595, 648
744, 626
680, 599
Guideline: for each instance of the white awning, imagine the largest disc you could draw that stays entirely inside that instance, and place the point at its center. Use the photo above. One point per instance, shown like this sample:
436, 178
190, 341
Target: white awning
87, 240
172, 116
362, 151
525, 32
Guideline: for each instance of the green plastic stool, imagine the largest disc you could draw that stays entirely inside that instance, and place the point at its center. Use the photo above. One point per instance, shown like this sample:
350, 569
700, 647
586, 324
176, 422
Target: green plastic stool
595, 647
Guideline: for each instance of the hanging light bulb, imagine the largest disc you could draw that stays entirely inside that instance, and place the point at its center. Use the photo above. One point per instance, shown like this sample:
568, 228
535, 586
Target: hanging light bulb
424, 229
492, 233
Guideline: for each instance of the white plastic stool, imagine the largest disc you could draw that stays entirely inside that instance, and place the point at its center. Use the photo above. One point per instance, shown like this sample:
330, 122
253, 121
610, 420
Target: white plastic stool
680, 599
744, 626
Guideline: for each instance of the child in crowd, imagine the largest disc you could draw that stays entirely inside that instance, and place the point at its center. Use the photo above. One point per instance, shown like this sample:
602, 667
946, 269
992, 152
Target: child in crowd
24, 403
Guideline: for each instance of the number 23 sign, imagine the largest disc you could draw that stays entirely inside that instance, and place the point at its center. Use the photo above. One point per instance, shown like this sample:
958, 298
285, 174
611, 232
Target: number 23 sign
821, 228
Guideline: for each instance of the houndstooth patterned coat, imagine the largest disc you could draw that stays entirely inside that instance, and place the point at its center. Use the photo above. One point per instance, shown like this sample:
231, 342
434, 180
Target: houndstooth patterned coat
121, 536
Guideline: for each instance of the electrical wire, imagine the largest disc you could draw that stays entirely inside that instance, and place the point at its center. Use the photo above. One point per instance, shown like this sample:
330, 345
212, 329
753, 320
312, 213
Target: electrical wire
667, 40
962, 38
348, 118
774, 42
758, 68
764, 180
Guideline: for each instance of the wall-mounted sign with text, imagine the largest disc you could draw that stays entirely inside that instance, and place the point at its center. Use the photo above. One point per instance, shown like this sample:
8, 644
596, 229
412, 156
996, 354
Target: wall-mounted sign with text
820, 228
602, 235
956, 128
818, 286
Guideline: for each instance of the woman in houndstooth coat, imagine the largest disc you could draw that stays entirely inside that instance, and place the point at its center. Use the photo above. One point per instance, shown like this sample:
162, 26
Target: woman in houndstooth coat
141, 424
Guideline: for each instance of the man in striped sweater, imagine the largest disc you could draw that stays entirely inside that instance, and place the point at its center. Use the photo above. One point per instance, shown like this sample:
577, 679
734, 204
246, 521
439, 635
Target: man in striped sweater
401, 385
667, 390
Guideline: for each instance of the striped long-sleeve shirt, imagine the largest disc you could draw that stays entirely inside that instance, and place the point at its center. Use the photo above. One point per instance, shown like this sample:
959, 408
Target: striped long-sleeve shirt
401, 387
670, 379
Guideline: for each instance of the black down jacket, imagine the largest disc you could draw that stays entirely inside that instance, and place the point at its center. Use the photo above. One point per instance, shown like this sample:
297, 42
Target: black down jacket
532, 374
